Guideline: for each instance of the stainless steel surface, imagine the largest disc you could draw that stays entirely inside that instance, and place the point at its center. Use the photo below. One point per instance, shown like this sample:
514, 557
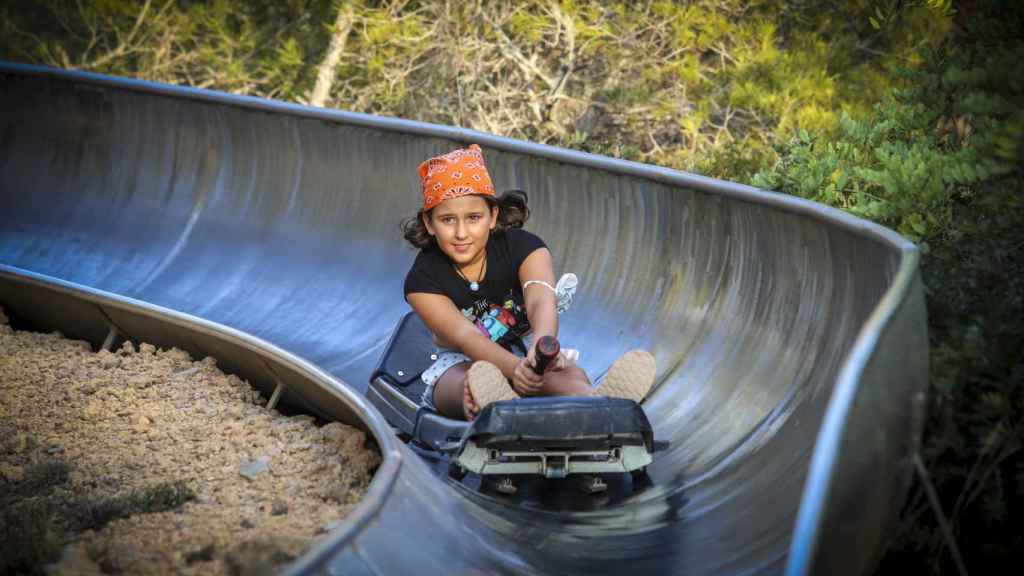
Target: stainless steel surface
790, 337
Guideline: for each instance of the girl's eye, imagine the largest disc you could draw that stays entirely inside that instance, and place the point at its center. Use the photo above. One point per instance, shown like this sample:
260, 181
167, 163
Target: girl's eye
474, 217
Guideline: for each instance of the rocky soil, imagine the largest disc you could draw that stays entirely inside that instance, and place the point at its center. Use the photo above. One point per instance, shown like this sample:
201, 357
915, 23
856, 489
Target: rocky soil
144, 461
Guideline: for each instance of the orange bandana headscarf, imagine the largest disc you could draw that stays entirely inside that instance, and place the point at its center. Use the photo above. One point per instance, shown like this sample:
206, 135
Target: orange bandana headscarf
457, 173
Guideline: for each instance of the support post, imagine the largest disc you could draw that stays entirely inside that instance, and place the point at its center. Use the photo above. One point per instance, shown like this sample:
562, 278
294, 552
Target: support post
276, 395
109, 341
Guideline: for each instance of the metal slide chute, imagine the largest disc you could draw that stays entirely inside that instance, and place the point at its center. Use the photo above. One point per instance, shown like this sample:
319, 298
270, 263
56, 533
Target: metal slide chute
790, 337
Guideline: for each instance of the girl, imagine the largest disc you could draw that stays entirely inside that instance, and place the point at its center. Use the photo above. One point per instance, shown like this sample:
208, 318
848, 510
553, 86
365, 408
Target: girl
481, 284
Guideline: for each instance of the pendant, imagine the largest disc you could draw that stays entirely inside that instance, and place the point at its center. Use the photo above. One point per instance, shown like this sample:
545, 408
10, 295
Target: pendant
474, 286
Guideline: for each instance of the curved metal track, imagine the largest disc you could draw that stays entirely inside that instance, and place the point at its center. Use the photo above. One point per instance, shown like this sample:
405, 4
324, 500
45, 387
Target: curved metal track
790, 337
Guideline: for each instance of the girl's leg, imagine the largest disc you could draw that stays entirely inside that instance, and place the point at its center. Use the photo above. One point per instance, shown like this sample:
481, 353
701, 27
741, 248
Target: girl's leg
572, 381
449, 391
450, 388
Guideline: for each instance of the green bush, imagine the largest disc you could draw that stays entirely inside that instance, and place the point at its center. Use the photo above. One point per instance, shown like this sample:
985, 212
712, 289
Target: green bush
702, 85
940, 160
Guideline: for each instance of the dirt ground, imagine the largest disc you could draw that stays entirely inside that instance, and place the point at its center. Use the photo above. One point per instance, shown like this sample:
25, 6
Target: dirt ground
144, 461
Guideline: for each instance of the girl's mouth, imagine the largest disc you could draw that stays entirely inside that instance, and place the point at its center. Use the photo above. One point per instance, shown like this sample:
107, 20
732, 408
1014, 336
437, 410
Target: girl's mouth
461, 248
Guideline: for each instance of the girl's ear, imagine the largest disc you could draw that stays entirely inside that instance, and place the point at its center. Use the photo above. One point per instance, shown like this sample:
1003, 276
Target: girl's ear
494, 216
425, 217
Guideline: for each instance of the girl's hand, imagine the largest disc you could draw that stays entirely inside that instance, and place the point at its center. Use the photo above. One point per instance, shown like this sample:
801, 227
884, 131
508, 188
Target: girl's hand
525, 381
559, 362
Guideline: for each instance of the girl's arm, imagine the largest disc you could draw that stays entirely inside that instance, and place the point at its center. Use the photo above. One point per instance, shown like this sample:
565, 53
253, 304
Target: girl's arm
540, 299
453, 329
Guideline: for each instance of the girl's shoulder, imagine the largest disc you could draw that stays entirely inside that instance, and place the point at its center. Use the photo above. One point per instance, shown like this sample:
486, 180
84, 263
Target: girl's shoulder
424, 274
520, 236
521, 243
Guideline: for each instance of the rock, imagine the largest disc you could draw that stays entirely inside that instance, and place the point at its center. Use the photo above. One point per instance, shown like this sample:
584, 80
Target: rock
93, 410
303, 419
337, 493
177, 354
278, 508
141, 381
108, 360
82, 345
74, 560
253, 468
335, 432
12, 473
127, 349
333, 524
204, 554
256, 558
141, 423
186, 372
147, 348
118, 557
20, 443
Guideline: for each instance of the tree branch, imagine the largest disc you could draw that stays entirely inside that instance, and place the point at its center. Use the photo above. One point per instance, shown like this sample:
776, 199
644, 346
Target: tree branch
328, 69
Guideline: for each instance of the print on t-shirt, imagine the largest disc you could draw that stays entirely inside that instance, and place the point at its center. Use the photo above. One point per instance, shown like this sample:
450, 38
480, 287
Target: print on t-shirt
497, 307
501, 324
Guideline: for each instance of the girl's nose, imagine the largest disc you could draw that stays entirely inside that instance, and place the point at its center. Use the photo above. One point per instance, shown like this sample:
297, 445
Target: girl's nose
460, 229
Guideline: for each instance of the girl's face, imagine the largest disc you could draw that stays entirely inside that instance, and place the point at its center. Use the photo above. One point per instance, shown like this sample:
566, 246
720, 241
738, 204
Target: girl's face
462, 226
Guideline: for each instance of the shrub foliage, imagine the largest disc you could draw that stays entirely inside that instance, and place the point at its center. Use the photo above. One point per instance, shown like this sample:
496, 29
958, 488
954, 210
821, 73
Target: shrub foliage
705, 85
940, 160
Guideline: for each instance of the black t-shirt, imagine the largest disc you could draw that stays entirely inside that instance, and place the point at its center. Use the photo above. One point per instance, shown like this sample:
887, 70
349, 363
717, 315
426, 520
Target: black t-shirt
497, 308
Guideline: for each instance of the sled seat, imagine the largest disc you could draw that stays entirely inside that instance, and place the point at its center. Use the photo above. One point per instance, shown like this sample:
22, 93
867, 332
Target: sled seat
396, 388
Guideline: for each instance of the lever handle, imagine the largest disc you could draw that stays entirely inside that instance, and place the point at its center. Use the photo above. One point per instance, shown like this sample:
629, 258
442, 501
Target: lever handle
547, 350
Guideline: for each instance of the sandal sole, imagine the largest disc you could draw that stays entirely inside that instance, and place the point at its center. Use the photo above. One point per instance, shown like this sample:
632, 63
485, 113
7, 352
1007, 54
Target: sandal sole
630, 377
487, 384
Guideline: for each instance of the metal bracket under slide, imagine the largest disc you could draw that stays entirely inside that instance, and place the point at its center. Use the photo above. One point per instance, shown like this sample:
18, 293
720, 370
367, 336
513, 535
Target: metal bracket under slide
552, 463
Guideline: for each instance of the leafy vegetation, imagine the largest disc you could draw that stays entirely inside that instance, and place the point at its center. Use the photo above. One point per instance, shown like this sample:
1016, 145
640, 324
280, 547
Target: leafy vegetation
941, 161
905, 112
704, 85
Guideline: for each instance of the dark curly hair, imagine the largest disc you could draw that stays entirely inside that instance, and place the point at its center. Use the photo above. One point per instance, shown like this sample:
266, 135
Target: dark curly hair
513, 212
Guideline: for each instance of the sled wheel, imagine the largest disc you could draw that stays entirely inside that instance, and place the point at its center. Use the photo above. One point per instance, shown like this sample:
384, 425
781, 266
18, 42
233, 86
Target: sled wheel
506, 486
456, 471
593, 484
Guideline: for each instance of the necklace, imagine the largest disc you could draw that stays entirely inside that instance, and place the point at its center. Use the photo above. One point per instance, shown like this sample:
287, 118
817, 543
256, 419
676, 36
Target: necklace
474, 286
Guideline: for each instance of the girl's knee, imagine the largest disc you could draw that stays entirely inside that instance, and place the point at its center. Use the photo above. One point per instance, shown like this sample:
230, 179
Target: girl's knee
575, 373
572, 381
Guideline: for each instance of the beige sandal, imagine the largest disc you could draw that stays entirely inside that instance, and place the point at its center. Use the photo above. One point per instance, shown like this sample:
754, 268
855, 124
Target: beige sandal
487, 384
630, 377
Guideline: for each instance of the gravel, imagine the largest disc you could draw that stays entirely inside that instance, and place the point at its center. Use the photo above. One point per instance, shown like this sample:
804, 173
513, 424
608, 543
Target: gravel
144, 461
